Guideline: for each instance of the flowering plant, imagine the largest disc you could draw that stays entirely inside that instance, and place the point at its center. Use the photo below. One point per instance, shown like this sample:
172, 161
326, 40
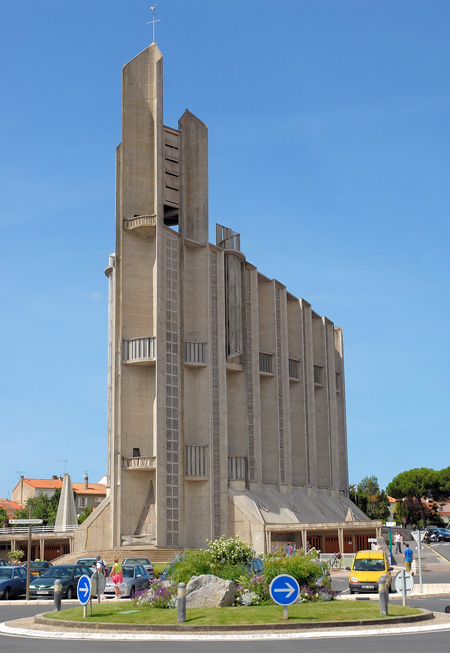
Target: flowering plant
160, 595
233, 550
252, 591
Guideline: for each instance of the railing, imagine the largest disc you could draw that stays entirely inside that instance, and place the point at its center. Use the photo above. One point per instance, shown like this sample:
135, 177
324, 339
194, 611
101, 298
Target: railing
265, 363
236, 468
195, 353
195, 461
140, 221
139, 349
141, 462
318, 374
294, 368
17, 530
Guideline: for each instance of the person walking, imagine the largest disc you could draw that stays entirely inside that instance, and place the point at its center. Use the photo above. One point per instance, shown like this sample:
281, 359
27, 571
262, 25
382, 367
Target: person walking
398, 542
408, 555
116, 576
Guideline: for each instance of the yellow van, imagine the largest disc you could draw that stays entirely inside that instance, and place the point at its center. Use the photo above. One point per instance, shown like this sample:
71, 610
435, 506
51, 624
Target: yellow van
366, 569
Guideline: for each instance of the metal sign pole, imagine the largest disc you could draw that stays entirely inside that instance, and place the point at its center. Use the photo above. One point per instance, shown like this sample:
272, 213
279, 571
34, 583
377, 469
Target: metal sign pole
285, 613
403, 587
27, 594
390, 545
419, 546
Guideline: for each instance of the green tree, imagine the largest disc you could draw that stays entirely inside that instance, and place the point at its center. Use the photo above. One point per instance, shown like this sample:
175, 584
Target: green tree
370, 499
3, 517
43, 507
416, 484
84, 514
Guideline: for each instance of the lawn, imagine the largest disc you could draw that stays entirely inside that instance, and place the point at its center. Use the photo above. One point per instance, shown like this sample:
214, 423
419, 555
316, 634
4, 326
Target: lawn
127, 613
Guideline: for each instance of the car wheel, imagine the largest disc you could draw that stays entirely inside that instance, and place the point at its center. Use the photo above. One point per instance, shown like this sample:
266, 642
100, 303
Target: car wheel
7, 594
351, 591
70, 593
132, 592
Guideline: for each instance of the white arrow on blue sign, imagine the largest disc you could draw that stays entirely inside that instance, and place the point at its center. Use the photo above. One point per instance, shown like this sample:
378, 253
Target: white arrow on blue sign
84, 589
284, 589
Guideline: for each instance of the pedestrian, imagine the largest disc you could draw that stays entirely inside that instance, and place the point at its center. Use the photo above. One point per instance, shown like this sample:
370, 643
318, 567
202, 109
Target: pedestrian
398, 542
101, 568
286, 548
407, 557
116, 576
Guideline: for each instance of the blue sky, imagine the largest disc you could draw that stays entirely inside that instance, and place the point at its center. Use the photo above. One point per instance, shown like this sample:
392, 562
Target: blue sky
328, 151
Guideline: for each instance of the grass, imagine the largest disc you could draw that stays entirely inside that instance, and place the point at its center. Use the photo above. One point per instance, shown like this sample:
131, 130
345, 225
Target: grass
159, 567
268, 614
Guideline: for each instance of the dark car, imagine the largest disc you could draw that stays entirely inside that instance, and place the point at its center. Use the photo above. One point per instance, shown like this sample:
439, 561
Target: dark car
13, 582
443, 534
5, 563
37, 567
69, 575
145, 562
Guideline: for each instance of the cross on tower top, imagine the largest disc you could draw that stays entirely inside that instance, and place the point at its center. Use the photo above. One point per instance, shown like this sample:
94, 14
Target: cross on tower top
153, 21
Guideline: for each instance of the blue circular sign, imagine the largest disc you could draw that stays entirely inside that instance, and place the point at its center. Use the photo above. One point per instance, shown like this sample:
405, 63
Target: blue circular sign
284, 589
84, 589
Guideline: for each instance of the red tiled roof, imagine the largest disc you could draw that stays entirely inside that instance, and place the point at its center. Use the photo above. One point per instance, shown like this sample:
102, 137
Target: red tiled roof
43, 483
54, 484
93, 488
10, 506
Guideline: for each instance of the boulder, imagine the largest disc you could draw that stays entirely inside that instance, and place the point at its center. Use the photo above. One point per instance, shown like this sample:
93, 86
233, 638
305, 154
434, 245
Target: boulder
209, 591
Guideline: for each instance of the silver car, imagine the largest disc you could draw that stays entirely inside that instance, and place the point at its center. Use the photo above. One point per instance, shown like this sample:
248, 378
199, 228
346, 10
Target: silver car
135, 578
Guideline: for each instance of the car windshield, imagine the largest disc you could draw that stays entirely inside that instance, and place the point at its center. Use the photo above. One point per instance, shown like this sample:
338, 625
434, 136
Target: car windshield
58, 572
368, 564
38, 565
5, 572
128, 572
138, 561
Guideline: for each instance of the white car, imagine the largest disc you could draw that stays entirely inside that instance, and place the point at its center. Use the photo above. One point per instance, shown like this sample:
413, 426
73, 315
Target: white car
135, 578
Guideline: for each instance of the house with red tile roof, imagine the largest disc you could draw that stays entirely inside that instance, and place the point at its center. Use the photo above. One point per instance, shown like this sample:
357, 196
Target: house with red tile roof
87, 495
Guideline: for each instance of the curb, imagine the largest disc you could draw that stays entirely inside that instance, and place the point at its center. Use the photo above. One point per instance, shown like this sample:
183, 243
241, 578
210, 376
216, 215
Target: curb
41, 619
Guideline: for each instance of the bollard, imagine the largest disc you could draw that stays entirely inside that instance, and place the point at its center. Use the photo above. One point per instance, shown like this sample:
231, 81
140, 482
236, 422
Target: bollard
383, 595
57, 595
181, 602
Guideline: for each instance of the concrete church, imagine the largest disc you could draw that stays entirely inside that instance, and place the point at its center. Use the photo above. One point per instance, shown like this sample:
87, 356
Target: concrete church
226, 392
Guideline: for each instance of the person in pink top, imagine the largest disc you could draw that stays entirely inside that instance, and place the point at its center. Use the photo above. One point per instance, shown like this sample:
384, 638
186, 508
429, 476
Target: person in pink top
116, 576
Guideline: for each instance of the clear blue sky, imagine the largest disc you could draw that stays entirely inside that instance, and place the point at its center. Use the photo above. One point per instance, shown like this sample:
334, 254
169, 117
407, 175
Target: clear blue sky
329, 152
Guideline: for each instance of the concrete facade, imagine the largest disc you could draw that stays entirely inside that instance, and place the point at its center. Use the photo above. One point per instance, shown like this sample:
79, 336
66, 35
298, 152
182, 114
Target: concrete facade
226, 404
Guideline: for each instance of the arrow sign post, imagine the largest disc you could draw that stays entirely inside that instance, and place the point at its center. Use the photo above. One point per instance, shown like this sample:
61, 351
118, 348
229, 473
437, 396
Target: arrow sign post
284, 590
84, 592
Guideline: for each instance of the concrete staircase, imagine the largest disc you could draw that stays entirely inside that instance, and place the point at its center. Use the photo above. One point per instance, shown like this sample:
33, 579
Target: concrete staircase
108, 555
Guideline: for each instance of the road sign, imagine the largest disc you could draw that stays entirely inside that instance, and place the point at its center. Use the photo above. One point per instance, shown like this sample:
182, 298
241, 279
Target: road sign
284, 589
416, 534
26, 522
98, 583
84, 589
391, 524
372, 539
404, 582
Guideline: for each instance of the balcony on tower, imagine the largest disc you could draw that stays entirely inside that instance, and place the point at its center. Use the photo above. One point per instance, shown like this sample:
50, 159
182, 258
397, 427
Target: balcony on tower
139, 351
143, 226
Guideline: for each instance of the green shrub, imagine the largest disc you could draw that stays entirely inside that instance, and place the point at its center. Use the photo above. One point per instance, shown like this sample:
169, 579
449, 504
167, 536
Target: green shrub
193, 563
301, 567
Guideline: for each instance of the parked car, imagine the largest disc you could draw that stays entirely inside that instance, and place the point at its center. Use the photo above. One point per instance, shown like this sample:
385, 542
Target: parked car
366, 569
135, 578
86, 562
145, 562
13, 581
69, 575
37, 567
5, 563
443, 535
165, 574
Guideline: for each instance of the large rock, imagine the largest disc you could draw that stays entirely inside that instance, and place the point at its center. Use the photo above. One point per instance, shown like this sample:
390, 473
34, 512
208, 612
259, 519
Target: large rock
209, 591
